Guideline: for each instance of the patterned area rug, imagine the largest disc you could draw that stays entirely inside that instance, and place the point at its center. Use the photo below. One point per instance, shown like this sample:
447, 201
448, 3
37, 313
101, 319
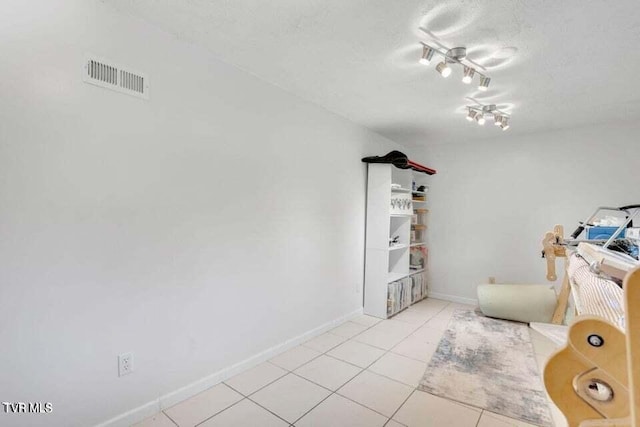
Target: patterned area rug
489, 364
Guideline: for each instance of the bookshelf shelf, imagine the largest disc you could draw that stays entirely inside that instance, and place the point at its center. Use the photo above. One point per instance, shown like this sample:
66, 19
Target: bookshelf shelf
398, 247
397, 276
400, 190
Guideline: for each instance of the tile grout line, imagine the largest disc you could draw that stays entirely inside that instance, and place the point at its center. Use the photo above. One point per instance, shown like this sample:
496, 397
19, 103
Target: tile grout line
448, 399
405, 337
347, 397
361, 370
247, 396
341, 336
480, 410
363, 405
319, 385
415, 388
341, 395
171, 419
349, 363
337, 345
386, 351
221, 411
322, 353
269, 410
390, 351
266, 385
244, 396
395, 421
314, 407
371, 364
331, 392
325, 353
401, 405
391, 379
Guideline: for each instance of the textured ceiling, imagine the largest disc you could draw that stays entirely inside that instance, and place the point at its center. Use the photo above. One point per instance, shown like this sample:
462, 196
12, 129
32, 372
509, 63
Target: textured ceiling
575, 61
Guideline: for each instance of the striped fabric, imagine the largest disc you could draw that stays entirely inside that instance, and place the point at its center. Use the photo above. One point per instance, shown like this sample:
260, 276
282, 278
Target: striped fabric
594, 295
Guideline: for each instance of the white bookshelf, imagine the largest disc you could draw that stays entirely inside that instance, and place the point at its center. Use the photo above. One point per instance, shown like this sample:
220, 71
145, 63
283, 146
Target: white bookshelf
393, 277
397, 247
390, 213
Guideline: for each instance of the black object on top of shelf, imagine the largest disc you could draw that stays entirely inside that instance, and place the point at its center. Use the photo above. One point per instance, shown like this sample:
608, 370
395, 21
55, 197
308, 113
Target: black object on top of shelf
399, 160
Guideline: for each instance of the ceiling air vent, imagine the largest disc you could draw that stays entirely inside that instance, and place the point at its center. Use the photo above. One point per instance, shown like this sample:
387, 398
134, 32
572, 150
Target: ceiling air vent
111, 76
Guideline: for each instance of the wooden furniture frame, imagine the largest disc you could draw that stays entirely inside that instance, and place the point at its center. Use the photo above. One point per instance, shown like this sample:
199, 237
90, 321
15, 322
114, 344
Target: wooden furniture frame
595, 379
611, 264
553, 247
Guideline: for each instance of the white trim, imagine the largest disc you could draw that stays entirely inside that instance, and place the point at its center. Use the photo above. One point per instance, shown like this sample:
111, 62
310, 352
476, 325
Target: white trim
133, 416
452, 298
153, 407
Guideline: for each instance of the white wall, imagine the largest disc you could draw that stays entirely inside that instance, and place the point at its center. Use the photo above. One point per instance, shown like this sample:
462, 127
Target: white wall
492, 201
216, 220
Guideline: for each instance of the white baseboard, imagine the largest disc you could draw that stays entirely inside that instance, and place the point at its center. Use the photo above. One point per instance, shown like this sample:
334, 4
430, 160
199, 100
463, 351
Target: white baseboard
133, 416
453, 298
153, 407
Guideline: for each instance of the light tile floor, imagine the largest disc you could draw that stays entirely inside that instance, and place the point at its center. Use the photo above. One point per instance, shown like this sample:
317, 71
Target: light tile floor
362, 373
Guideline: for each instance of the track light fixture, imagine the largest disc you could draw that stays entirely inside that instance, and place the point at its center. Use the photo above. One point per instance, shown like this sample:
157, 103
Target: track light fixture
456, 55
478, 112
471, 114
484, 83
427, 54
468, 75
443, 69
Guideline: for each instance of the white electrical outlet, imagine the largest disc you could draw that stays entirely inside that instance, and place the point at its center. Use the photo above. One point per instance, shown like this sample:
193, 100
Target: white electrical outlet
125, 364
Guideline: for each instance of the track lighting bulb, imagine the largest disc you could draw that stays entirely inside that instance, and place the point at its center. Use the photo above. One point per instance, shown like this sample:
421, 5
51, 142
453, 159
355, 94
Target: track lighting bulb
443, 69
427, 54
484, 83
468, 75
481, 113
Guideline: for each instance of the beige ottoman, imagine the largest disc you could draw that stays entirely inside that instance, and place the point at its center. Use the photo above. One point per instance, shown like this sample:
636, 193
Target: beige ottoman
522, 303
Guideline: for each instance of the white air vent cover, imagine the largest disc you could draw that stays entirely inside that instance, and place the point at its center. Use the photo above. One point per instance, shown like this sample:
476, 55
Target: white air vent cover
111, 76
